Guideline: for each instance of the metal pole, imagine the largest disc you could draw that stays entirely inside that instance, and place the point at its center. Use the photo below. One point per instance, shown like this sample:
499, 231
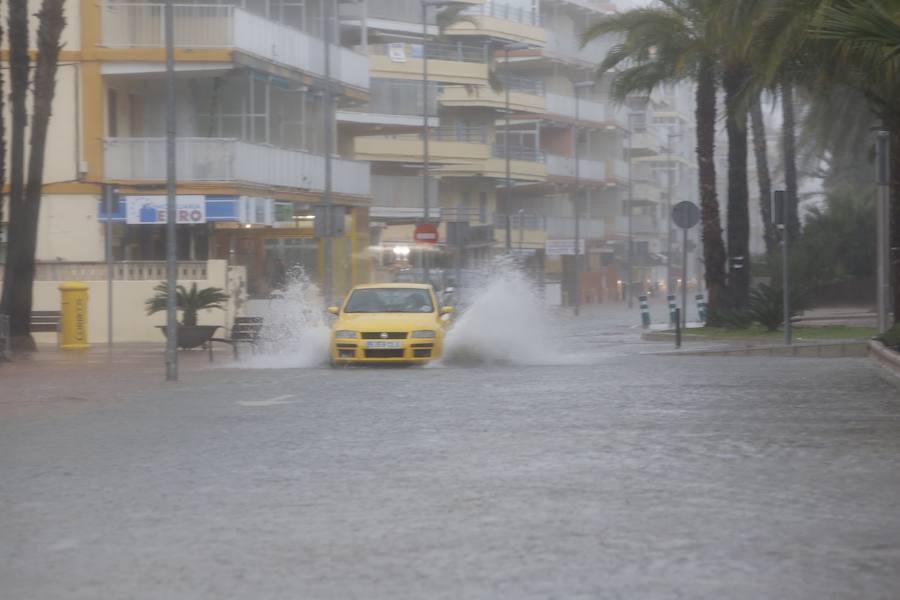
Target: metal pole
108, 200
426, 182
628, 254
327, 259
171, 249
684, 277
508, 198
785, 267
882, 224
576, 206
669, 281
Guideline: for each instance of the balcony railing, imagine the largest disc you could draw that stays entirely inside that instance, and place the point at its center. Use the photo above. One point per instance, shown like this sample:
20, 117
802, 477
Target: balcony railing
226, 160
564, 166
216, 26
397, 97
568, 47
407, 11
471, 134
132, 270
507, 12
523, 85
588, 110
457, 52
640, 224
564, 228
518, 152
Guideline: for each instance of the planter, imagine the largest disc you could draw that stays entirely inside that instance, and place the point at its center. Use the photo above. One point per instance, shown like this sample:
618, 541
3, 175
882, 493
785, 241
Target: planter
192, 336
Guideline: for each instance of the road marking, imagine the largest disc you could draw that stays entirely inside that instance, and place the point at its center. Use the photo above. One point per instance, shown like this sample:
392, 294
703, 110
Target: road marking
270, 402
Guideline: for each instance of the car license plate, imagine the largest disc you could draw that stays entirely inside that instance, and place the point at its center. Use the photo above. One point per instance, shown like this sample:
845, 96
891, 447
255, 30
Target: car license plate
383, 345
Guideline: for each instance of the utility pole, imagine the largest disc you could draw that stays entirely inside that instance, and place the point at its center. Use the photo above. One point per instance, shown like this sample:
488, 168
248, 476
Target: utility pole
670, 185
426, 164
171, 248
630, 211
327, 260
507, 208
108, 195
882, 234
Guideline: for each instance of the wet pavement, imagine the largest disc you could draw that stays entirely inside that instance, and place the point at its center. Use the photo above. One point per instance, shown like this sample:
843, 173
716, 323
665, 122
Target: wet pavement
613, 474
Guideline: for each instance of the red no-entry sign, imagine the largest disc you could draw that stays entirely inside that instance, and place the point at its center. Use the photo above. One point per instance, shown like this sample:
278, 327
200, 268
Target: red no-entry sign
426, 233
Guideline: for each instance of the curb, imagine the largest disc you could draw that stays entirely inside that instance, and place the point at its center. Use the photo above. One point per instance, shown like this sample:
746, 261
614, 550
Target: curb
886, 358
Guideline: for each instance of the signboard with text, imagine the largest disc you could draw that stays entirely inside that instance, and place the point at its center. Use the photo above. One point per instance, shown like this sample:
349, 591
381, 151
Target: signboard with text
151, 210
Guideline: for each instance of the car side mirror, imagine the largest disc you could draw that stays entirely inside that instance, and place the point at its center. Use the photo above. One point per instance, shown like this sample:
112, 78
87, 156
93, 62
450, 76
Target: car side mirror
446, 310
334, 310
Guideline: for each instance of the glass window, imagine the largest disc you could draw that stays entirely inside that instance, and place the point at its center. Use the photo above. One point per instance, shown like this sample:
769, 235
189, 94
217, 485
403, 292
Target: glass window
399, 300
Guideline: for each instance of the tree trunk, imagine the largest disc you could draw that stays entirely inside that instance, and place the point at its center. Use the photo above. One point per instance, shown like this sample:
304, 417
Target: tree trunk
2, 139
24, 214
738, 231
761, 152
15, 300
713, 247
789, 149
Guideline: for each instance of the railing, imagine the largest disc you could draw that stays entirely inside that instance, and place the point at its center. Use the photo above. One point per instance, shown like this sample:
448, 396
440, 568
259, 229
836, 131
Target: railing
397, 193
521, 221
407, 11
640, 224
569, 47
564, 166
524, 85
216, 26
136, 270
462, 133
217, 159
397, 97
517, 152
507, 12
458, 52
588, 110
617, 168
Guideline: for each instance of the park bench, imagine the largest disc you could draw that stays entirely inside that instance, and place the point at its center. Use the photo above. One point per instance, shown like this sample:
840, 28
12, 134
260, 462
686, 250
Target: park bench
244, 330
45, 321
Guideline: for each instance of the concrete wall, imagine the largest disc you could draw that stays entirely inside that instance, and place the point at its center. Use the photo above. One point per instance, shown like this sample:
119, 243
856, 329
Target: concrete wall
69, 230
130, 321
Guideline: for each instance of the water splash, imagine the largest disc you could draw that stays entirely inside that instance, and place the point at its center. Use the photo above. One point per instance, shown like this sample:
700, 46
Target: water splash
505, 322
295, 331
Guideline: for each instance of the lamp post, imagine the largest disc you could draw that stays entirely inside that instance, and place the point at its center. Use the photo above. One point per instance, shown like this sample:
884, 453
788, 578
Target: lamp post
327, 260
426, 159
630, 210
576, 205
669, 280
507, 200
171, 250
882, 233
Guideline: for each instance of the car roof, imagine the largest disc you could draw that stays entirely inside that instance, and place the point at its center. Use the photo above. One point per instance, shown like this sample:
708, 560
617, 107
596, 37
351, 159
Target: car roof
415, 286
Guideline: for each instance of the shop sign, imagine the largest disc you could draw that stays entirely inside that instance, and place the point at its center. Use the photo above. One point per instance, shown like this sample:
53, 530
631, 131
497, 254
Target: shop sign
152, 210
563, 247
397, 52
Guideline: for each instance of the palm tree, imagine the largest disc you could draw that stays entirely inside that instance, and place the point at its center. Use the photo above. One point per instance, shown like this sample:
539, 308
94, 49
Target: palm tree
764, 179
668, 44
865, 40
190, 302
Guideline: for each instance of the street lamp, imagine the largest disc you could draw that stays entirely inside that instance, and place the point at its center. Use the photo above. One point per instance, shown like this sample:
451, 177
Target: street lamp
630, 211
670, 137
171, 250
508, 196
426, 162
576, 206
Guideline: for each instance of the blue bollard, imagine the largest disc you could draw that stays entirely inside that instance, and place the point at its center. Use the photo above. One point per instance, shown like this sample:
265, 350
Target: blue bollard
701, 307
672, 307
645, 311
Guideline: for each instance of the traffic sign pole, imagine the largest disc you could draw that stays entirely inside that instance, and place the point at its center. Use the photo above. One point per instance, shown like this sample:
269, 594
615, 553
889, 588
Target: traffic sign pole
686, 215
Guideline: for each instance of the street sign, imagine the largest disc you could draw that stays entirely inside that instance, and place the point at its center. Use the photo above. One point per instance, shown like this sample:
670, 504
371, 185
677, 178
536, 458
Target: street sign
151, 210
685, 214
426, 233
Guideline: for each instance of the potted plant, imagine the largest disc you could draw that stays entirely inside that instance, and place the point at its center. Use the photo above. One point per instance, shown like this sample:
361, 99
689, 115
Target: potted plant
190, 335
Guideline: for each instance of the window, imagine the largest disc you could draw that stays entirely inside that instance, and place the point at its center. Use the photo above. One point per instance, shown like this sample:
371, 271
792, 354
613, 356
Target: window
482, 207
112, 113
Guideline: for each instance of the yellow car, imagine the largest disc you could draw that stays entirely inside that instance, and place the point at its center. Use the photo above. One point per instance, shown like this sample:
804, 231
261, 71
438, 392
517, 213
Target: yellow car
388, 323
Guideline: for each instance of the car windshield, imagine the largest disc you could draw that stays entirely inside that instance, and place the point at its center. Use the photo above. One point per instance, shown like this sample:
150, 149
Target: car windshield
400, 300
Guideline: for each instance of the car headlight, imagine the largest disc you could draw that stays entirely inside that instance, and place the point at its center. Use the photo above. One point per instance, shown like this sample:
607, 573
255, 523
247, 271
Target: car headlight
423, 333
344, 334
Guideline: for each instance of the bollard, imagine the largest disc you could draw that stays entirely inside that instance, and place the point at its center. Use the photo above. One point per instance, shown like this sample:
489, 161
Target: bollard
701, 308
677, 328
645, 311
73, 315
672, 305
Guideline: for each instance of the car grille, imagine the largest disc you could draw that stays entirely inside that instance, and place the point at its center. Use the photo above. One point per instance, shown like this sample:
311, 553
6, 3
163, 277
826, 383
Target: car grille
385, 353
391, 335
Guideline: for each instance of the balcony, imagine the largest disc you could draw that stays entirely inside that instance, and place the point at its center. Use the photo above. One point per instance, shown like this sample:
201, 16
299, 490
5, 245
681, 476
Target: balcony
393, 105
588, 110
563, 167
525, 95
617, 170
503, 21
210, 27
231, 161
567, 48
459, 63
643, 225
455, 147
644, 144
564, 228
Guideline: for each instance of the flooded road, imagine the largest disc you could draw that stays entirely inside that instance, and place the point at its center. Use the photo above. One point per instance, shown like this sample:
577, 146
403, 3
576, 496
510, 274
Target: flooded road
616, 475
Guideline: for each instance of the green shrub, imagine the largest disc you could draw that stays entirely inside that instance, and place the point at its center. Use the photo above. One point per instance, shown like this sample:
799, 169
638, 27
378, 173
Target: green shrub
767, 305
891, 337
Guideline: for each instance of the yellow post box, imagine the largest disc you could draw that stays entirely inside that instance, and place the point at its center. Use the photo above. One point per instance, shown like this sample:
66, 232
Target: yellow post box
73, 317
